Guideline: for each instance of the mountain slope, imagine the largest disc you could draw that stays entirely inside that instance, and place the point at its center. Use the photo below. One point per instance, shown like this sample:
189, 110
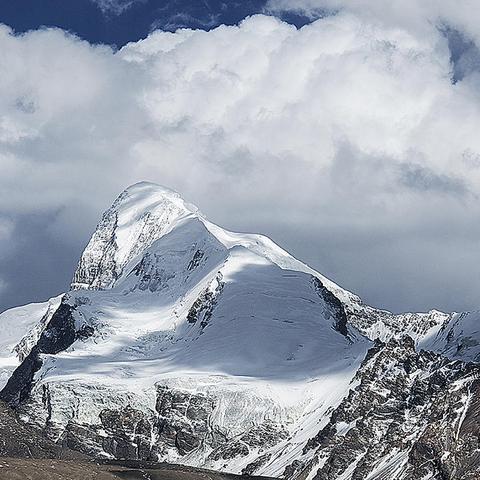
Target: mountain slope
183, 342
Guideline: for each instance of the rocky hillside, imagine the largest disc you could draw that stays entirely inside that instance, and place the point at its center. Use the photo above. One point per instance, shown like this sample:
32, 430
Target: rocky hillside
409, 415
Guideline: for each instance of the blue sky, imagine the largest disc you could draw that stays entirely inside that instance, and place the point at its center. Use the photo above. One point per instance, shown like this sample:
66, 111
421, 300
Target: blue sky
346, 130
117, 22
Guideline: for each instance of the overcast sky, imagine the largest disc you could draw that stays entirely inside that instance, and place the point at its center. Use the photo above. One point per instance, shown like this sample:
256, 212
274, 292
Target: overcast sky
352, 141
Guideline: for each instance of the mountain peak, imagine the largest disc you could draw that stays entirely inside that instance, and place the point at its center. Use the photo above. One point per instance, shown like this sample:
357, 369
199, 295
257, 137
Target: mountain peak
146, 187
141, 214
148, 195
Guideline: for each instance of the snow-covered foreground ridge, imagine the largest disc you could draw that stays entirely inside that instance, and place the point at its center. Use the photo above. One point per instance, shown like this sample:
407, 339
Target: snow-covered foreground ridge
181, 341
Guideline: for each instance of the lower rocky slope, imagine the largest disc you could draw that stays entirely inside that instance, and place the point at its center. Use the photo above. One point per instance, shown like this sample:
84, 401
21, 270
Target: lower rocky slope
18, 439
52, 469
26, 453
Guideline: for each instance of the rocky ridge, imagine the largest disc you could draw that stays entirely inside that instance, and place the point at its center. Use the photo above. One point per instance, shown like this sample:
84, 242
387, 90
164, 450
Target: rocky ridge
409, 415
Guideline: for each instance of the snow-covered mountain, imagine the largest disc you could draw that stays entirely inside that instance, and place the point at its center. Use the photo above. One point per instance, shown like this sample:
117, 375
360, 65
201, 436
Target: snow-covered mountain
184, 342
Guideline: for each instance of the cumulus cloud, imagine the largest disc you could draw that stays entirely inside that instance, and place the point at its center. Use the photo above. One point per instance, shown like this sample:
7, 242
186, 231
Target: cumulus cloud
346, 141
412, 15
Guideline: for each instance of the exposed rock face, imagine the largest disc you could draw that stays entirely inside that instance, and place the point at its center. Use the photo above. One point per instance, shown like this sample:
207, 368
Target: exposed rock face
202, 309
258, 438
24, 347
455, 335
97, 267
128, 433
58, 335
20, 329
384, 325
20, 440
123, 433
179, 425
449, 447
183, 419
341, 321
406, 417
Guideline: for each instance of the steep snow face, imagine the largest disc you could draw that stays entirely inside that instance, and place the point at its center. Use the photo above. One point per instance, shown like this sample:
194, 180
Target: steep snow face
21, 328
459, 337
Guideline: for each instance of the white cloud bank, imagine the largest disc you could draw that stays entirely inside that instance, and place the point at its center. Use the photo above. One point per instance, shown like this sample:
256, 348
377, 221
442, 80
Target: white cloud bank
345, 140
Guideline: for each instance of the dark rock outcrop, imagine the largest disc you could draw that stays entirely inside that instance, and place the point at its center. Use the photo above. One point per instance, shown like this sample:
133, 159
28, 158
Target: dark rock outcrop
340, 316
183, 418
59, 334
202, 309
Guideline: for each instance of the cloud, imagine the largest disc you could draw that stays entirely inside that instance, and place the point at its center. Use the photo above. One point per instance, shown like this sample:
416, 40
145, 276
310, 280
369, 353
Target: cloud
116, 7
456, 19
345, 140
412, 15
423, 179
3, 286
